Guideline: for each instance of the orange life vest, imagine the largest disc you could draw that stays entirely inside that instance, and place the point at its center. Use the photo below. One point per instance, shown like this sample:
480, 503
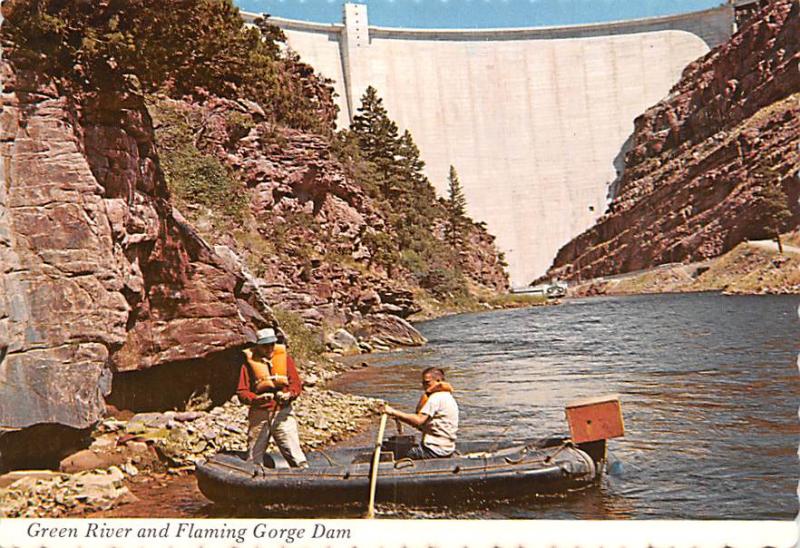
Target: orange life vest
438, 387
269, 374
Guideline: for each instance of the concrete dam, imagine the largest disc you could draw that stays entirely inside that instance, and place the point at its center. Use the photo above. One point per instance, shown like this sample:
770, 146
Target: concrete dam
535, 120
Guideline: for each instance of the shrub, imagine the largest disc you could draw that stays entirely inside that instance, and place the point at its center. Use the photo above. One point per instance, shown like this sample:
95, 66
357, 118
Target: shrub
192, 176
238, 126
304, 343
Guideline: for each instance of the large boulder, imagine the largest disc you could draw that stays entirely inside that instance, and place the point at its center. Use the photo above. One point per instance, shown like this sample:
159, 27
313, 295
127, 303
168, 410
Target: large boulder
343, 341
386, 330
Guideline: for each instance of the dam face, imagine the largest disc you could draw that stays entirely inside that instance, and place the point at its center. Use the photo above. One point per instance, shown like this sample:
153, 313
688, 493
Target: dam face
535, 120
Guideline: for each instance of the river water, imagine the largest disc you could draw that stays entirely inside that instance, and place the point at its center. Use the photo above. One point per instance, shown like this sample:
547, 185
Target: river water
709, 387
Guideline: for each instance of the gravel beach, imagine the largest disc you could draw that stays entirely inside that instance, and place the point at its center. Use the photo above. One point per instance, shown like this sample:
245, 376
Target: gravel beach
158, 449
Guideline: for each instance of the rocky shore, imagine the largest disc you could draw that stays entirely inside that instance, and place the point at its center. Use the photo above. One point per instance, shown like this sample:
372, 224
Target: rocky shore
167, 444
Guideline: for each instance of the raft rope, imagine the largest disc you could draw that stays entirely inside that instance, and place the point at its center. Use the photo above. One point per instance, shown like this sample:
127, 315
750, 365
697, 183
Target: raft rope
499, 438
324, 454
522, 456
563, 446
406, 462
232, 467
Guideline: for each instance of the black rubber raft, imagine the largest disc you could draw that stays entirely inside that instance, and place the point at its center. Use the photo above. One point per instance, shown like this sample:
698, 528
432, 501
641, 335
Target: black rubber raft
478, 472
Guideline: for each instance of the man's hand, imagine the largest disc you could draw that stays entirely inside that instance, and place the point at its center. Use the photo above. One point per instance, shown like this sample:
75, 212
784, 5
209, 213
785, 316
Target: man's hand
416, 419
388, 409
283, 397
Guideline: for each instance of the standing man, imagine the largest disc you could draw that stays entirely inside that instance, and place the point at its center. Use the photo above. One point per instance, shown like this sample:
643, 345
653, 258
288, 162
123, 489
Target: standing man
268, 383
436, 416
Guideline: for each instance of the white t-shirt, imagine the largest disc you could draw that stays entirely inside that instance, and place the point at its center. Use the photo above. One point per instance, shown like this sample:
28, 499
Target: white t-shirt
439, 432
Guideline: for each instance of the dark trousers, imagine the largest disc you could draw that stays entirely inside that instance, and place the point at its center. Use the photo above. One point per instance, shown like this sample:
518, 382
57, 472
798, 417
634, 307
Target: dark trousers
420, 452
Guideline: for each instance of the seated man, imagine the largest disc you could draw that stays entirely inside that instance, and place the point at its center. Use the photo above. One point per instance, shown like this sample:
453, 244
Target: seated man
436, 416
268, 383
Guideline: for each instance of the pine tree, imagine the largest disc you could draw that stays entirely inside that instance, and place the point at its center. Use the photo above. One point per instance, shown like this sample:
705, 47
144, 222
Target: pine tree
410, 162
456, 208
377, 138
418, 200
395, 171
775, 207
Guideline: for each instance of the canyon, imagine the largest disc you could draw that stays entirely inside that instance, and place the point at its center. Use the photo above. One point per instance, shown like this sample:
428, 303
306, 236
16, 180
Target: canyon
693, 179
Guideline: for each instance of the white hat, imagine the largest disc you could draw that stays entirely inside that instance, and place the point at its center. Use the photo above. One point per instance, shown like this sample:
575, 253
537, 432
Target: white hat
266, 336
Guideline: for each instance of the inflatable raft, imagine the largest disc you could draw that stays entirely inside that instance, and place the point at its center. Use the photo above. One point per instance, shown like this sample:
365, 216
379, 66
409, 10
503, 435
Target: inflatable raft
478, 472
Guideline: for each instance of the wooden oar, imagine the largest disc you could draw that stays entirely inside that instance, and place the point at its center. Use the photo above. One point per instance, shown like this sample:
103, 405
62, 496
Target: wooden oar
376, 458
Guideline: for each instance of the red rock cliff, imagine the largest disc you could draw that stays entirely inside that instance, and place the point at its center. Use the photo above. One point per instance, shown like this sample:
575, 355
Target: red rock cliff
690, 180
98, 274
309, 222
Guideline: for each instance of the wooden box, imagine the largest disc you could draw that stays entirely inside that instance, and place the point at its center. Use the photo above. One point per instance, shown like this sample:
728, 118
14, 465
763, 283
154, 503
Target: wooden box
595, 419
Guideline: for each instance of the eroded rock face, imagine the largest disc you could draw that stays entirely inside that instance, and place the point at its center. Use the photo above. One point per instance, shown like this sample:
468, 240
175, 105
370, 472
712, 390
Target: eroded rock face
62, 309
306, 207
308, 210
691, 178
97, 273
100, 276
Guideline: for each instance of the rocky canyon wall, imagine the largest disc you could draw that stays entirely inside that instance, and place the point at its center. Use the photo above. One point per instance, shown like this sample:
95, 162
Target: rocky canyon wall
696, 169
98, 274
101, 278
110, 295
305, 231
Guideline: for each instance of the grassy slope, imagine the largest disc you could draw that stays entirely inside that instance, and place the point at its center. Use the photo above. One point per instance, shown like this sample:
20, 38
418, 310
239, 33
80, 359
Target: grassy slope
744, 269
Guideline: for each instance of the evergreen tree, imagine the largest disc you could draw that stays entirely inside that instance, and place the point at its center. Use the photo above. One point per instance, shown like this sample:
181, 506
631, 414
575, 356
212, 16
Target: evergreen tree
397, 169
410, 162
377, 137
376, 133
396, 174
774, 205
382, 249
456, 208
418, 200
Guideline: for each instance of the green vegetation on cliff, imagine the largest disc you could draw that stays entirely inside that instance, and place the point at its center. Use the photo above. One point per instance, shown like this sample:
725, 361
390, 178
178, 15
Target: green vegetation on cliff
392, 173
192, 176
176, 47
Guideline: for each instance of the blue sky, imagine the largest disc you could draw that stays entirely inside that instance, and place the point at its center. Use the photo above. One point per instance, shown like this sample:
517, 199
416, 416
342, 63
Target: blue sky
478, 13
